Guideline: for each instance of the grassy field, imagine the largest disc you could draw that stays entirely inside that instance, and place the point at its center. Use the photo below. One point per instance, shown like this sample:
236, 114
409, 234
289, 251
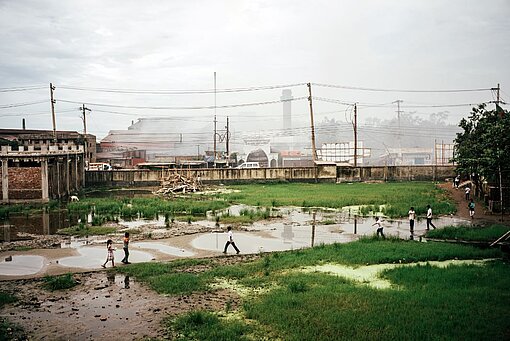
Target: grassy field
424, 302
477, 233
397, 198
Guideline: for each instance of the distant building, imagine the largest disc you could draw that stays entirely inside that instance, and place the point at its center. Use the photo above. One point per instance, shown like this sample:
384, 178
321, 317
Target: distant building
343, 152
407, 156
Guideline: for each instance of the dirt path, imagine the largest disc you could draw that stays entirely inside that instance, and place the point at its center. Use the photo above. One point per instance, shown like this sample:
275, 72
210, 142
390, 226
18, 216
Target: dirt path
482, 216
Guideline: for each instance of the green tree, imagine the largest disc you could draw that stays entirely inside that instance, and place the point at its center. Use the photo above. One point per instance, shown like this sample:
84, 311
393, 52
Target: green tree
483, 148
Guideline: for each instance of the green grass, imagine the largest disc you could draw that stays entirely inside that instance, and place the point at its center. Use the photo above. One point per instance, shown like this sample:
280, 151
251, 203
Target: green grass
457, 302
82, 231
62, 282
468, 233
207, 326
397, 197
6, 298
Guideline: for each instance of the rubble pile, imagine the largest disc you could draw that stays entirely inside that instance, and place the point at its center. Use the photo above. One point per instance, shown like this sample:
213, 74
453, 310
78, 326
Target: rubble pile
177, 183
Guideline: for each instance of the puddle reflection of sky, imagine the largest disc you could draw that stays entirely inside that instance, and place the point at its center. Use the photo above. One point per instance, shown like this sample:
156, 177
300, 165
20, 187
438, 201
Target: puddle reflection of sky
22, 265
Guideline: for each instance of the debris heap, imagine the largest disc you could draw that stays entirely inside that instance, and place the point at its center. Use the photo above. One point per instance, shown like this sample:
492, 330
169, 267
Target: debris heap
177, 183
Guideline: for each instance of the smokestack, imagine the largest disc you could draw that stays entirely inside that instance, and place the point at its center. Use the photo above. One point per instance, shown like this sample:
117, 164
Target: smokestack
287, 108
23, 124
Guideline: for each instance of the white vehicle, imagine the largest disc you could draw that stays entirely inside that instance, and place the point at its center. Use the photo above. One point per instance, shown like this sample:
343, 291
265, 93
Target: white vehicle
99, 167
248, 165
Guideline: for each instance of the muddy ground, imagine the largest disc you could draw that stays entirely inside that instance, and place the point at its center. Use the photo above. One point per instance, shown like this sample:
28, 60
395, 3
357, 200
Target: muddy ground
106, 305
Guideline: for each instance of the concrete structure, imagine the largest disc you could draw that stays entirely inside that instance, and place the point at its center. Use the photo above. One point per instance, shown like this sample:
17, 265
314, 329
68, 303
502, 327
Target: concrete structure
40, 173
408, 156
39, 138
323, 172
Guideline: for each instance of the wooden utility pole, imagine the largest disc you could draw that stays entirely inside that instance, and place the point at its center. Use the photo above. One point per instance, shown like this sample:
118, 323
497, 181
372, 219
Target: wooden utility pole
215, 118
84, 110
214, 138
501, 190
53, 113
355, 135
314, 152
85, 141
227, 141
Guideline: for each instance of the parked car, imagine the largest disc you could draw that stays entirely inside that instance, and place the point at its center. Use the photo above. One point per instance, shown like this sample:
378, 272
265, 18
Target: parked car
247, 165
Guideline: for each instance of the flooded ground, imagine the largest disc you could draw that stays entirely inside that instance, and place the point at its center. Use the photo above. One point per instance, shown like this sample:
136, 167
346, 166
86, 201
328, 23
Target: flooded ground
289, 228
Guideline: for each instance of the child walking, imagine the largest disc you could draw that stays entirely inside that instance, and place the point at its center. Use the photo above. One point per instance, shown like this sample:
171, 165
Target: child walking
126, 251
230, 240
471, 207
379, 227
109, 246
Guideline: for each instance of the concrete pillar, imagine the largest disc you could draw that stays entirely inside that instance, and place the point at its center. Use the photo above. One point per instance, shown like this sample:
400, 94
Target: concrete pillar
44, 180
46, 223
5, 180
75, 173
67, 161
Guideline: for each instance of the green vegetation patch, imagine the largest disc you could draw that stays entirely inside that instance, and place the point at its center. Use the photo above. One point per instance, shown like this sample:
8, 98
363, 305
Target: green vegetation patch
205, 326
459, 302
82, 230
397, 198
469, 233
6, 298
59, 282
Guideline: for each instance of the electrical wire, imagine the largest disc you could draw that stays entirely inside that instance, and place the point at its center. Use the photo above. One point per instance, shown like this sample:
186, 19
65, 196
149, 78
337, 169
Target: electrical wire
180, 92
399, 90
182, 108
22, 88
15, 105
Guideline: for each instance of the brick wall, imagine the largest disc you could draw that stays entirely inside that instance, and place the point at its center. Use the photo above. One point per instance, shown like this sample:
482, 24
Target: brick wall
25, 183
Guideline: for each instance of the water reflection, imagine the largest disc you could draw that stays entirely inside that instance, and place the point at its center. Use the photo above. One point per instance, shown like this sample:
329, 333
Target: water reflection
126, 282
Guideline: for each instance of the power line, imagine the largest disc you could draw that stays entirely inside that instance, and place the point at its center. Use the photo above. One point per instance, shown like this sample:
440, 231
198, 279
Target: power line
179, 92
23, 88
181, 108
23, 104
399, 90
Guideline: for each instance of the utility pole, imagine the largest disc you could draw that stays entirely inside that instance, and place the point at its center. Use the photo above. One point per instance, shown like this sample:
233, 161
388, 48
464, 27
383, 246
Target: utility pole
198, 152
314, 153
227, 141
215, 117
53, 113
214, 138
85, 141
355, 135
398, 101
84, 118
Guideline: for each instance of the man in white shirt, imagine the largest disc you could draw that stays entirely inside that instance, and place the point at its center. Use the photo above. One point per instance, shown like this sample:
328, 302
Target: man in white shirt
230, 240
468, 190
412, 216
429, 217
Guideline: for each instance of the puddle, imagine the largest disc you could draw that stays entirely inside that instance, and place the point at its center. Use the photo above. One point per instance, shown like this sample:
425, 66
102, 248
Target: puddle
174, 251
22, 265
369, 274
246, 242
93, 257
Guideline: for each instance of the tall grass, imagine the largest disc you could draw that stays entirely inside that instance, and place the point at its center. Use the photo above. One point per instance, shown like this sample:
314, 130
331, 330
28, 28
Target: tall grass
397, 198
477, 233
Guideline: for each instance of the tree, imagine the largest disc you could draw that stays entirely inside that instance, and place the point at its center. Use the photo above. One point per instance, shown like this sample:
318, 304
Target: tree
483, 148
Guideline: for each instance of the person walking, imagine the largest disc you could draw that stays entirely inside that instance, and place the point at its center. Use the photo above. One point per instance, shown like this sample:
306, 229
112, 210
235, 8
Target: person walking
379, 227
429, 218
412, 216
468, 191
456, 182
230, 240
109, 257
471, 207
125, 248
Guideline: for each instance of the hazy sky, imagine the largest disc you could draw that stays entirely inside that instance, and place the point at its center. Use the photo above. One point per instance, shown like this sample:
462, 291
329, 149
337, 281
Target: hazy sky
180, 44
